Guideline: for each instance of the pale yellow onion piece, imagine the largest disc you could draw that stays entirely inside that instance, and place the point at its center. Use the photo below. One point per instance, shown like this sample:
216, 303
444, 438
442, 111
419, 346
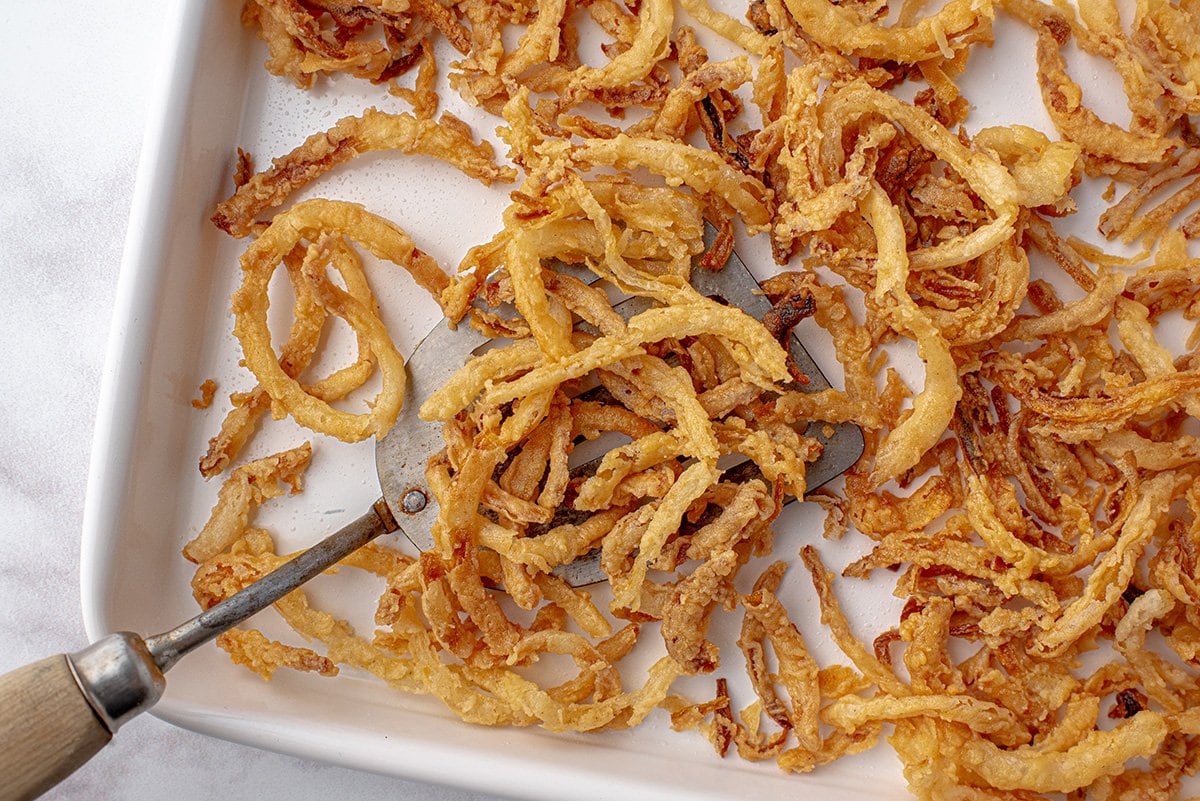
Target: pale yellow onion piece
1063, 99
776, 460
1043, 170
1143, 613
561, 545
851, 712
524, 265
1137, 334
933, 407
373, 130
596, 492
539, 43
1086, 311
840, 29
621, 711
1174, 26
668, 289
1101, 753
674, 386
691, 484
247, 488
819, 211
702, 170
724, 25
1148, 454
1115, 569
462, 387
677, 109
1023, 558
649, 46
761, 358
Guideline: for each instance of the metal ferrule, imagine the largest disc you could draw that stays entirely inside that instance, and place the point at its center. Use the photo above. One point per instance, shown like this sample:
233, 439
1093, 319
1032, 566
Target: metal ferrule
118, 676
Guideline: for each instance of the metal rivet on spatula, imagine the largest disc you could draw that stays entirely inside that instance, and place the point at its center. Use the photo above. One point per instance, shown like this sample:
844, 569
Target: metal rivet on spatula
414, 501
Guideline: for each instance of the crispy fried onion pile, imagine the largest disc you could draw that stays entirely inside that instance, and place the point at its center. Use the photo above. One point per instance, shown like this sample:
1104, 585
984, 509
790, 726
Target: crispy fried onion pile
1036, 494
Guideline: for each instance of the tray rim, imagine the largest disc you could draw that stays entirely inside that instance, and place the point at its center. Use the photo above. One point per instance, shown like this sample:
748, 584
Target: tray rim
121, 378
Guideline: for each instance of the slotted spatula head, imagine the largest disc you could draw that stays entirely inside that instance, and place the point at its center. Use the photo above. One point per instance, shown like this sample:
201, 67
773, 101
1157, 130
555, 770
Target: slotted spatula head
402, 455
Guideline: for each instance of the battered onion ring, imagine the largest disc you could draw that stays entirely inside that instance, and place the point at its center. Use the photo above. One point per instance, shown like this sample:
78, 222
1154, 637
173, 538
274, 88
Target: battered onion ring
539, 43
247, 488
649, 46
1100, 753
308, 220
702, 170
758, 354
1064, 101
933, 408
296, 354
1114, 571
986, 176
1044, 170
726, 26
350, 137
838, 27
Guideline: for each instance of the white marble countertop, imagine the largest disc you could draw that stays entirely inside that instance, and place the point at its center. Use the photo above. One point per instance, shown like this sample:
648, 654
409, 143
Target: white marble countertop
73, 89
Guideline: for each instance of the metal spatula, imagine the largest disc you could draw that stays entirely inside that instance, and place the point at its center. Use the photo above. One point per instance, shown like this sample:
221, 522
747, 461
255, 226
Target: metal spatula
57, 713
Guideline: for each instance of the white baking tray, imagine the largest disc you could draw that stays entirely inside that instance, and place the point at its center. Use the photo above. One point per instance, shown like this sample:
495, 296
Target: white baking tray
172, 330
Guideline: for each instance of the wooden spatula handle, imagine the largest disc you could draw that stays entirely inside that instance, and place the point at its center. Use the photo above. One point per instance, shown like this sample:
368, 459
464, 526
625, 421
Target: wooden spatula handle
47, 728
56, 714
